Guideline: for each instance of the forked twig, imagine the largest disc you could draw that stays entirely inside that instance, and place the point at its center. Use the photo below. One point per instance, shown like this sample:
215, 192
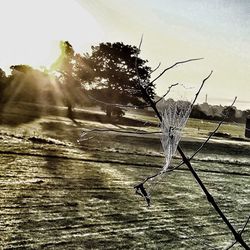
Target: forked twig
169, 88
179, 165
241, 232
172, 66
157, 67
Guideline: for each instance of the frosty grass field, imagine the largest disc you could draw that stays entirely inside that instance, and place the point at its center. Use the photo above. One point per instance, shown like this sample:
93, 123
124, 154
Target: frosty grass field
57, 193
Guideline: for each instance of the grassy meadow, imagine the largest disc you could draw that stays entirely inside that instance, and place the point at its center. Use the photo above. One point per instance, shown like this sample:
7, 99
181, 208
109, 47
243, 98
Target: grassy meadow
57, 192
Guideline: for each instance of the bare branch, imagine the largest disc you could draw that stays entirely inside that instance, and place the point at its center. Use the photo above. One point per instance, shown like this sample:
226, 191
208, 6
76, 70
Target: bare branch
245, 225
116, 131
211, 134
241, 232
115, 104
140, 45
157, 67
161, 172
172, 66
169, 88
230, 246
136, 59
202, 84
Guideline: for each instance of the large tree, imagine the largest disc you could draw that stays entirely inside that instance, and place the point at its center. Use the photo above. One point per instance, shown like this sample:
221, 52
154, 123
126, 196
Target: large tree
118, 73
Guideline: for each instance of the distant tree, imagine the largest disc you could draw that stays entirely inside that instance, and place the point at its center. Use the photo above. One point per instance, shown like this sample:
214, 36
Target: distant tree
198, 113
3, 85
24, 84
245, 114
116, 68
28, 84
229, 112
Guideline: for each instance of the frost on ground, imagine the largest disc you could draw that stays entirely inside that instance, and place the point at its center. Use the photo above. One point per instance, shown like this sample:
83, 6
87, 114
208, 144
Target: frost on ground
57, 193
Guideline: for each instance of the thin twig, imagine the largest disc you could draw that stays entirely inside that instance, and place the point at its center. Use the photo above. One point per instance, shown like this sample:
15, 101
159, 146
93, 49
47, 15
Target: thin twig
115, 104
202, 84
229, 247
161, 173
136, 59
172, 66
169, 88
118, 131
211, 134
158, 66
241, 232
196, 95
210, 198
245, 225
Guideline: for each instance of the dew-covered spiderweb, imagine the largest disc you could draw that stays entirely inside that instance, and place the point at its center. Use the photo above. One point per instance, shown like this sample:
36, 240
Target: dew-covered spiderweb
174, 118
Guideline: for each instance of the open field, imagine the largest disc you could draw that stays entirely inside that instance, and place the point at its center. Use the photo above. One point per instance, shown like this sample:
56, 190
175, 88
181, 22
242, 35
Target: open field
56, 193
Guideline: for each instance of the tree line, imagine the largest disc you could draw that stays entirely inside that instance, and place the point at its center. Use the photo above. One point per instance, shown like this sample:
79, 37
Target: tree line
108, 76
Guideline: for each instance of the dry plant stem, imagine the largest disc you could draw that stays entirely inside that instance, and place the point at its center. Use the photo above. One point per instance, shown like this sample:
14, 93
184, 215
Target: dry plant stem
115, 104
241, 232
245, 225
229, 247
158, 66
198, 92
209, 137
210, 198
196, 152
169, 88
172, 66
119, 131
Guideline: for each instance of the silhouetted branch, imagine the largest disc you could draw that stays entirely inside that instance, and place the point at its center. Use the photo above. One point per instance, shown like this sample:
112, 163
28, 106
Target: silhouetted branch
229, 247
136, 59
161, 173
202, 84
211, 134
241, 232
169, 88
245, 225
172, 66
158, 66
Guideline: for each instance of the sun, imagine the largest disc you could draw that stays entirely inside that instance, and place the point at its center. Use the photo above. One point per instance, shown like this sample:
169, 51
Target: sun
31, 30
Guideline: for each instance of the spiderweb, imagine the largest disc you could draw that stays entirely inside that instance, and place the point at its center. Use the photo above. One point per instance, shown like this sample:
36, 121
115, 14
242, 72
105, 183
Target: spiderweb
174, 119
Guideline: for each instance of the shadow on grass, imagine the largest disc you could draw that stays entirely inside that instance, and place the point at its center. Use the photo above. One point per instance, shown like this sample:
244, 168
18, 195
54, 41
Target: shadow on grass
15, 115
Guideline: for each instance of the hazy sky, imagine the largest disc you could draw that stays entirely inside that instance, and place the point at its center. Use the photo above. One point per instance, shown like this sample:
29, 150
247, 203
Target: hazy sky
218, 30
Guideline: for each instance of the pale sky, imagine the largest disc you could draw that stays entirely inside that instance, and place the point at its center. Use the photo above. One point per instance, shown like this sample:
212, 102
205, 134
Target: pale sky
218, 30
